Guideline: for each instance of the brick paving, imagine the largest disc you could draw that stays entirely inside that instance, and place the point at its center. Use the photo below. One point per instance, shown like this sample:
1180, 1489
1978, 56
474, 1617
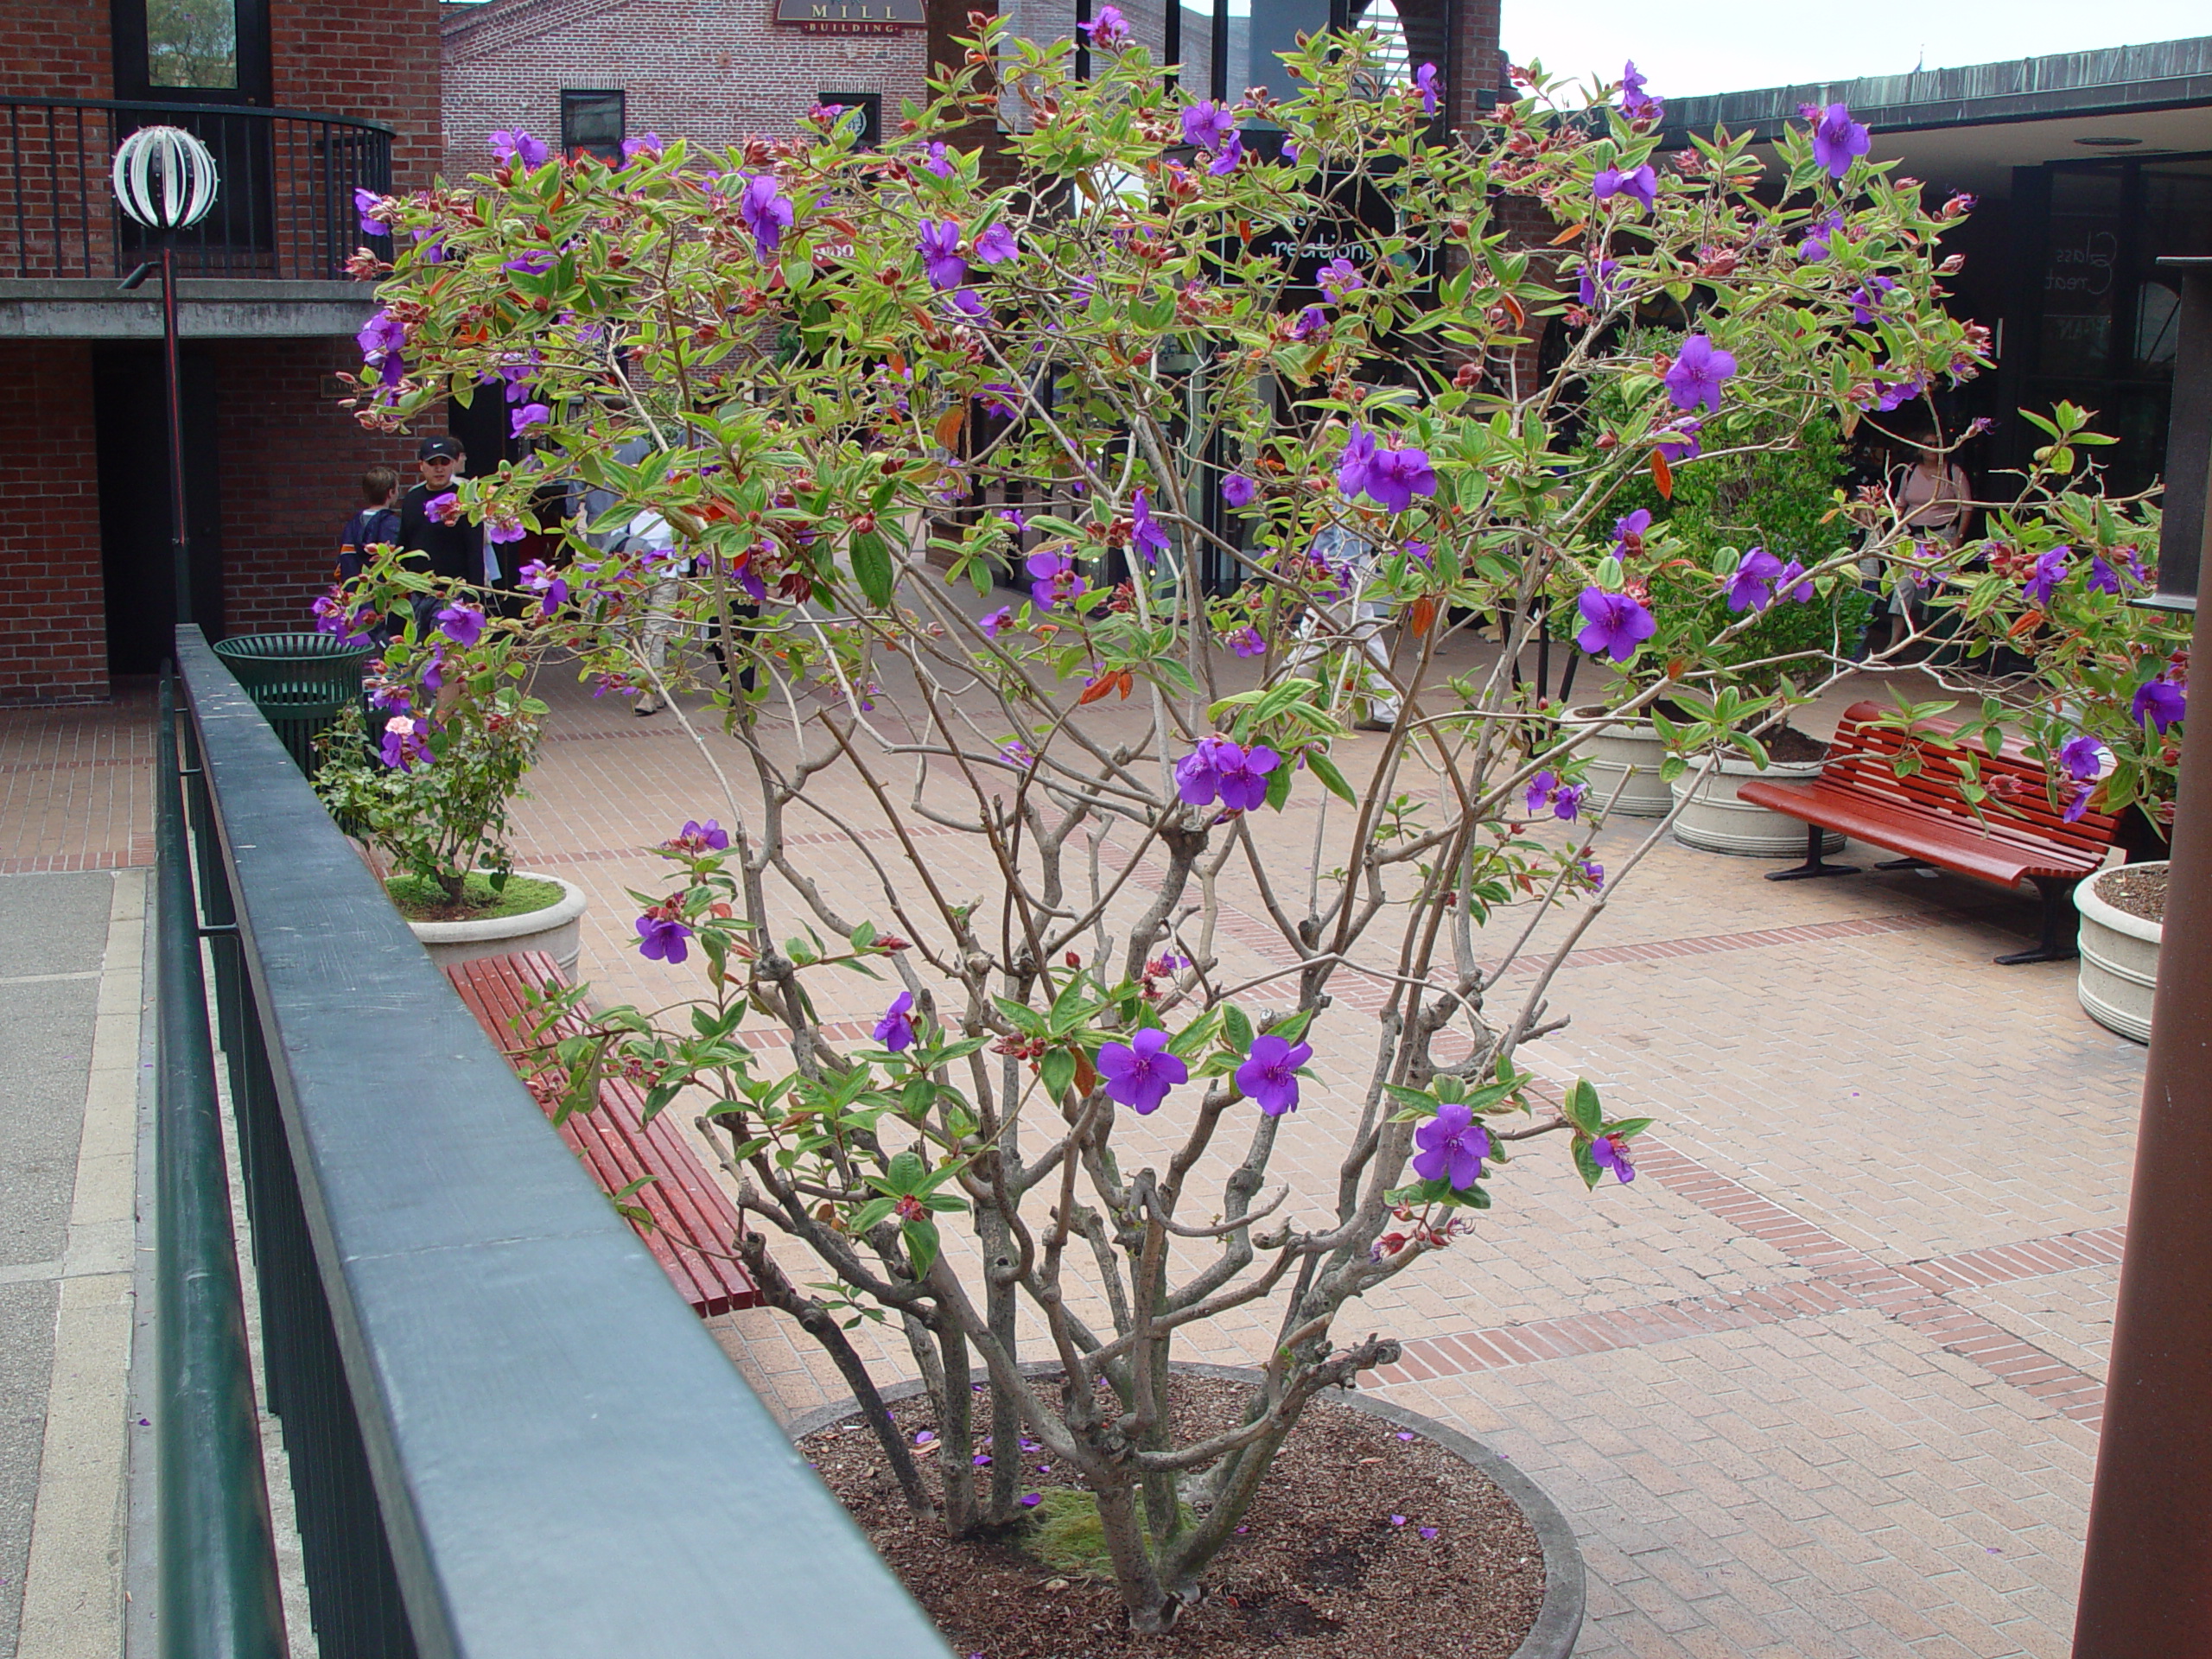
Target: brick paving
1823, 1381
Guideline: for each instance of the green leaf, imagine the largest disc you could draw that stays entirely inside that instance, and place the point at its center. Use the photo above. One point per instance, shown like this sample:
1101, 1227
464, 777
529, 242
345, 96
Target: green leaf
1057, 1069
921, 1242
1332, 780
1582, 1109
1584, 1161
1237, 1028
872, 568
1278, 787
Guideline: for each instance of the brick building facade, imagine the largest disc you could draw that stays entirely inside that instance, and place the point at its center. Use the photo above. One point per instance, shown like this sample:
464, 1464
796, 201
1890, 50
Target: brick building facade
273, 463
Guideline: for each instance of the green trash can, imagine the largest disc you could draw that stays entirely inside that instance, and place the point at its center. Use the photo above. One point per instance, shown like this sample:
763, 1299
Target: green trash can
301, 682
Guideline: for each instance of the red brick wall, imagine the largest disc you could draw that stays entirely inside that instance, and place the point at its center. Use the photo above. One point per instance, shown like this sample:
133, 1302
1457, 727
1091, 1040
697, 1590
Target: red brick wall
57, 48
291, 464
710, 70
376, 59
52, 625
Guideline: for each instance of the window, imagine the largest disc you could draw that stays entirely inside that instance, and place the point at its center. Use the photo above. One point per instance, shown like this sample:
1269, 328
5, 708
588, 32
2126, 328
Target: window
870, 104
591, 125
192, 43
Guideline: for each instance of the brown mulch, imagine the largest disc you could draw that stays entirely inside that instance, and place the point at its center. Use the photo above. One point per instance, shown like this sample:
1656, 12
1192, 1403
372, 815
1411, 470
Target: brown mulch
1365, 1540
1790, 744
2139, 892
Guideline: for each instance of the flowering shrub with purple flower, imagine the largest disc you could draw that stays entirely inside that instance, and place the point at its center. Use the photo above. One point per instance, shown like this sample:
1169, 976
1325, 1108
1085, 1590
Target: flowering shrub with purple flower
853, 383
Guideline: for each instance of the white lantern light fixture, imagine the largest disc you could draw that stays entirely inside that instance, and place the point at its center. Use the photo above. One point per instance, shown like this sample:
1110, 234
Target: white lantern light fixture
164, 178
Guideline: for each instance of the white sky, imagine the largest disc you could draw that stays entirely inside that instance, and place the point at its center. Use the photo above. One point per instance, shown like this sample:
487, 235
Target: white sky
1691, 47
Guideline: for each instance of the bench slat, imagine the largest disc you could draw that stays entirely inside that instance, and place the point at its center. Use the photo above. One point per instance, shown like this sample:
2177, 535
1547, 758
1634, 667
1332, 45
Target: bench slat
692, 1216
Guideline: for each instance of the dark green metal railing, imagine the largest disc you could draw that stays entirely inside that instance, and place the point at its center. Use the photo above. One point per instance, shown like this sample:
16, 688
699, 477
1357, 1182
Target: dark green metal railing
508, 1436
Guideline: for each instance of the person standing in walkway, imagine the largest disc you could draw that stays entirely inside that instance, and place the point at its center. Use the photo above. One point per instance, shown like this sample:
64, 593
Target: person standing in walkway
443, 542
376, 525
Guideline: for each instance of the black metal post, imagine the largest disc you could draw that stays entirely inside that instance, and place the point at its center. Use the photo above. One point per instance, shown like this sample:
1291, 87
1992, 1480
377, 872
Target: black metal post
218, 1559
180, 534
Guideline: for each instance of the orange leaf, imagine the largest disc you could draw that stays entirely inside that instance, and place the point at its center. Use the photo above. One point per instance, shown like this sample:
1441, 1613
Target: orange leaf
1567, 235
2030, 621
1424, 614
1125, 680
1512, 305
1097, 689
1662, 475
898, 366
949, 425
1086, 1075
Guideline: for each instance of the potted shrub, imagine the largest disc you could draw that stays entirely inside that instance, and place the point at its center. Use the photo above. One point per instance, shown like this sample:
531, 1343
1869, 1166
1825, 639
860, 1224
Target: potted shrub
428, 789
1033, 1073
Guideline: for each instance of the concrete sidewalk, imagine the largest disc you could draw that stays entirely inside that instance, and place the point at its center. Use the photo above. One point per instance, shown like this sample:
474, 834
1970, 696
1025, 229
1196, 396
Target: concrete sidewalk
70, 1007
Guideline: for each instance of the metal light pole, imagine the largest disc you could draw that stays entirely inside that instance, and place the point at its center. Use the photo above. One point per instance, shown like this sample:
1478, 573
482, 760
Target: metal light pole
2146, 1582
165, 179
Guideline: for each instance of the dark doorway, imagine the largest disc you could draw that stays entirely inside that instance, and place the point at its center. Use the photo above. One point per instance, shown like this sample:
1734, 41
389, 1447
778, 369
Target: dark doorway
131, 437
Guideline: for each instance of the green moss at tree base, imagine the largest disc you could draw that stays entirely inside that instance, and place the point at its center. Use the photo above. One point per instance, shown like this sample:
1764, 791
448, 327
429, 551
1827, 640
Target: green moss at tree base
423, 900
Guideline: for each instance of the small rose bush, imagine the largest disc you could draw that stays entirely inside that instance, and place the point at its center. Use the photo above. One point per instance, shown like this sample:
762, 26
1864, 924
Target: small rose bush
1125, 858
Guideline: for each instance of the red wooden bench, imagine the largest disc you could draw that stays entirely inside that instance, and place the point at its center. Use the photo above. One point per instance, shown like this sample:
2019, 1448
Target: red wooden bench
1927, 818
694, 1224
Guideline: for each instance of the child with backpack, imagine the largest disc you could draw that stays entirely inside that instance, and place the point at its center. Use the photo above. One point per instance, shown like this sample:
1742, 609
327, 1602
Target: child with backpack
376, 525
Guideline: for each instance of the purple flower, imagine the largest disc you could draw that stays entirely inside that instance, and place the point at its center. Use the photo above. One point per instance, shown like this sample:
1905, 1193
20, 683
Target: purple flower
993, 622
1237, 490
1752, 587
938, 163
940, 246
997, 246
1603, 283
1699, 370
1613, 624
503, 531
646, 143
520, 146
1144, 535
2160, 704
1818, 235
404, 744
1288, 154
536, 262
1628, 530
1547, 790
1425, 83
1793, 585
1243, 776
2049, 572
766, 211
895, 1031
1340, 278
1109, 31
463, 624
1247, 642
1396, 476
1311, 321
1453, 1146
1053, 579
2079, 804
1198, 774
442, 508
710, 835
366, 206
2082, 756
1679, 442
1269, 1074
1206, 125
1232, 155
552, 591
1592, 872
1637, 104
1611, 1152
1838, 140
1640, 184
382, 333
661, 938
1352, 465
1018, 754
1140, 1072
2102, 577
527, 416
1867, 298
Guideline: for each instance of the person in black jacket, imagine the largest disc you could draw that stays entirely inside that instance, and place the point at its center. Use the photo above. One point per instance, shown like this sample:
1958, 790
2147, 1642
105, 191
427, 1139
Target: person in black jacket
376, 525
454, 550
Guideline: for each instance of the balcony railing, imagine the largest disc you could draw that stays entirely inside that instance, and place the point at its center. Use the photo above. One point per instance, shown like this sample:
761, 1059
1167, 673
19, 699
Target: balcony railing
508, 1438
284, 211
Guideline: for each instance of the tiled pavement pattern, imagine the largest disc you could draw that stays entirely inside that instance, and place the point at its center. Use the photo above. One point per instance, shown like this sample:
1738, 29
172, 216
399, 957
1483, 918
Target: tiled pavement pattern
1823, 1381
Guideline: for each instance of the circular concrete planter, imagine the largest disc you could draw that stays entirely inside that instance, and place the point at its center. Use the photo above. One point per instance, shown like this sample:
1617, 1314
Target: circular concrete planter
1627, 749
553, 930
1559, 1621
1714, 821
2119, 961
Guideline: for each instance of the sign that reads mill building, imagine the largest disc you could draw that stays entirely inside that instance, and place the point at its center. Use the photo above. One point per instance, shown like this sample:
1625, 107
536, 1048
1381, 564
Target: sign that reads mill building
851, 16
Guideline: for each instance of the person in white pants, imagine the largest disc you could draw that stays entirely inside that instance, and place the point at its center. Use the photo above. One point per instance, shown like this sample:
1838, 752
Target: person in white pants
650, 533
1355, 556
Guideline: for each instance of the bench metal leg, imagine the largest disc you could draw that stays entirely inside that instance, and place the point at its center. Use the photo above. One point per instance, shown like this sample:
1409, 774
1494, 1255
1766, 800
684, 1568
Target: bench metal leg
1904, 864
2062, 924
1814, 864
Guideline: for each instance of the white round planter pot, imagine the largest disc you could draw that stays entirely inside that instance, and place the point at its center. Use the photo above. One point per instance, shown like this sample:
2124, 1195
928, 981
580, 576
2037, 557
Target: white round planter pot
1627, 749
2119, 961
553, 930
1714, 821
